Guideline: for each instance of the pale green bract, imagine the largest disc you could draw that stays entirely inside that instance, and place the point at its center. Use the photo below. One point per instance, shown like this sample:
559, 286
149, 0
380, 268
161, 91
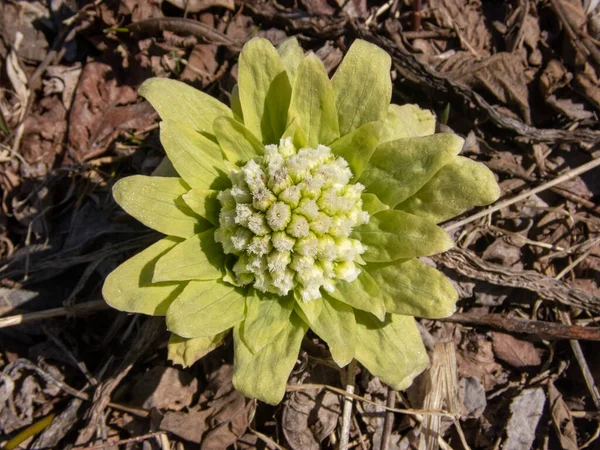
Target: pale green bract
305, 205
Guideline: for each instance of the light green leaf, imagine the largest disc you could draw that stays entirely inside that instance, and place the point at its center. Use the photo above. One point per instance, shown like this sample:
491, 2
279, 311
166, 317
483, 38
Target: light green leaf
358, 146
456, 188
236, 141
236, 106
165, 169
393, 234
334, 324
130, 288
413, 288
313, 103
157, 203
363, 293
407, 121
196, 258
398, 169
265, 90
264, 375
204, 203
363, 87
195, 157
205, 308
186, 351
179, 102
291, 54
296, 133
266, 315
393, 350
371, 204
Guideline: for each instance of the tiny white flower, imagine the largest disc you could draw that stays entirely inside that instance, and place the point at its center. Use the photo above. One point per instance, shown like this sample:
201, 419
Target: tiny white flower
288, 217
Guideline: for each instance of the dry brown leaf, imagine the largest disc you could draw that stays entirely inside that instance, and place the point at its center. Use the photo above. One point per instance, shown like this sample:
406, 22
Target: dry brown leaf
502, 75
103, 108
514, 351
190, 425
562, 419
475, 358
63, 80
309, 417
43, 137
318, 7
555, 77
165, 388
219, 419
587, 83
355, 9
503, 253
466, 18
142, 9
202, 64
194, 6
20, 17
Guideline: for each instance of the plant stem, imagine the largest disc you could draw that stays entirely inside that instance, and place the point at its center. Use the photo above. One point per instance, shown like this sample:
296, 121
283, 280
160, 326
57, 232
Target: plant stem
347, 412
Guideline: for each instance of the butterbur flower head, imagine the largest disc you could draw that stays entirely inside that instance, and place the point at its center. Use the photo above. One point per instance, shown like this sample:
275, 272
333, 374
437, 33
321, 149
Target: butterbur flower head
290, 221
305, 204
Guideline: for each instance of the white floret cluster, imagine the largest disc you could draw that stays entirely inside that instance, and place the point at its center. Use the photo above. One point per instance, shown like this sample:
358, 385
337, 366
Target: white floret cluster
288, 217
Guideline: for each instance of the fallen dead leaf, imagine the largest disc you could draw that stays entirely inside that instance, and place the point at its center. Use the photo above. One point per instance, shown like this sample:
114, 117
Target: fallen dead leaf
318, 7
63, 80
502, 75
562, 419
309, 416
467, 17
514, 351
503, 253
19, 17
190, 425
165, 388
475, 358
194, 6
142, 9
102, 109
43, 136
554, 77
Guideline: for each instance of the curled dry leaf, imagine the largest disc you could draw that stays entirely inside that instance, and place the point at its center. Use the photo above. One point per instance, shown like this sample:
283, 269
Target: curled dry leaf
502, 75
219, 419
466, 18
555, 77
102, 109
309, 417
165, 388
562, 419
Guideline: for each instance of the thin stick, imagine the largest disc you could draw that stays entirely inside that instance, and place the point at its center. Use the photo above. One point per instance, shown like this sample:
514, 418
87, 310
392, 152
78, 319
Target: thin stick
415, 412
347, 413
144, 437
565, 177
76, 310
540, 328
388, 421
575, 346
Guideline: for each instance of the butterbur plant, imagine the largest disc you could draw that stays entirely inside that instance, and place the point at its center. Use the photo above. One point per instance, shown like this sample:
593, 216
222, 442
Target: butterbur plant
306, 204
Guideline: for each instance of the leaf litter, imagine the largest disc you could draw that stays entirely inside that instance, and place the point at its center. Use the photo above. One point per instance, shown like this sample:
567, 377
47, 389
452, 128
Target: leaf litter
521, 80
